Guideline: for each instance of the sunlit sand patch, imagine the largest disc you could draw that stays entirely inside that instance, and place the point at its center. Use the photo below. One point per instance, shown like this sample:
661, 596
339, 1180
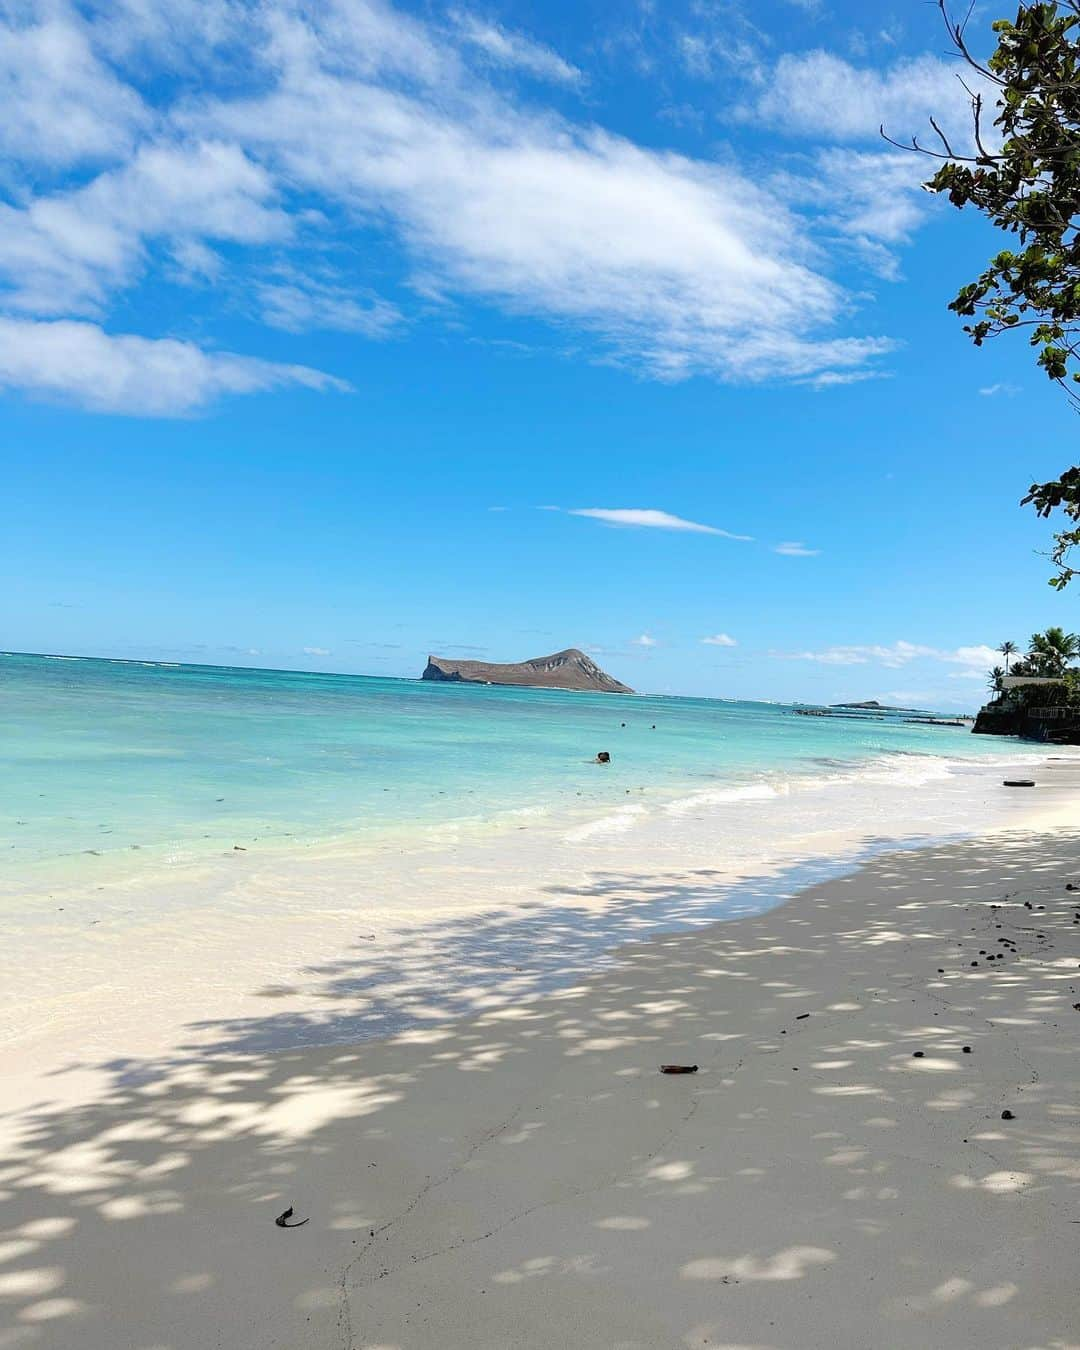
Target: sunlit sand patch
672, 1171
141, 1206
51, 1308
952, 1291
846, 1157
30, 1283
193, 1284
849, 1090
48, 1228
926, 1064
996, 1296
792, 1263
951, 1099
997, 1183
11, 1251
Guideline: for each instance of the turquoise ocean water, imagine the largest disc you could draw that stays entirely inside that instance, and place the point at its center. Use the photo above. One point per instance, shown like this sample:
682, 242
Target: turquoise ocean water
133, 763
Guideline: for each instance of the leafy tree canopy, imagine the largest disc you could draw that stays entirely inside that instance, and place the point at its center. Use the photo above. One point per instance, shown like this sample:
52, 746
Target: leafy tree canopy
1023, 174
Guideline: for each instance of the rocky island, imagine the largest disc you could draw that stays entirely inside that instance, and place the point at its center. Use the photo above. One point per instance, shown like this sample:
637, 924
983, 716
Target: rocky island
570, 669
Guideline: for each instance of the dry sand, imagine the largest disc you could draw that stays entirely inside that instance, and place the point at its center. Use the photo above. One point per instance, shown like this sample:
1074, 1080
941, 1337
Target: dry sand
527, 1178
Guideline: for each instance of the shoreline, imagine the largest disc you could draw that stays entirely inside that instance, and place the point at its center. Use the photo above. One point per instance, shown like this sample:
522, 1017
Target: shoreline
513, 1170
165, 863
147, 964
165, 770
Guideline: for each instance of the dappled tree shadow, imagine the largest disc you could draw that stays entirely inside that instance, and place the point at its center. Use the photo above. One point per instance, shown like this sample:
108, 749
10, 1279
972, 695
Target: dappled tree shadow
470, 964
524, 1176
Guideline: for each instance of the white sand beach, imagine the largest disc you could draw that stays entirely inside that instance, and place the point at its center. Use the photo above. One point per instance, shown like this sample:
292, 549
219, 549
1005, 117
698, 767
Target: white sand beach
836, 1174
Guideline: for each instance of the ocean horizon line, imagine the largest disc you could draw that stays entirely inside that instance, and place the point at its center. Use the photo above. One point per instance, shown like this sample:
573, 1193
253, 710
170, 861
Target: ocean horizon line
146, 662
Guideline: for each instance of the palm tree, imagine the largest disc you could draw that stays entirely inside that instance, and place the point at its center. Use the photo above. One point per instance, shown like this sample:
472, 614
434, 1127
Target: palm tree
1008, 649
994, 679
1051, 652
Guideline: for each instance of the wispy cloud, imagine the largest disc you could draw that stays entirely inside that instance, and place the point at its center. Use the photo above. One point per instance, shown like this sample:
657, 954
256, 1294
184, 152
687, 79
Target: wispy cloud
836, 379
648, 519
317, 651
720, 640
353, 111
505, 48
794, 549
80, 363
867, 194
72, 107
978, 655
992, 390
823, 95
69, 251
900, 653
298, 304
645, 640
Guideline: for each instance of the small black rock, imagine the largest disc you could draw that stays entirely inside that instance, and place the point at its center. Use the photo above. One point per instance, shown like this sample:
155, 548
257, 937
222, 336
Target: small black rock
1007, 1115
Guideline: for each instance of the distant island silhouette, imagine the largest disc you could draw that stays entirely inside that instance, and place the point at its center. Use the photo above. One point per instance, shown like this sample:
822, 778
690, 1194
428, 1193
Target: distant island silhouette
569, 669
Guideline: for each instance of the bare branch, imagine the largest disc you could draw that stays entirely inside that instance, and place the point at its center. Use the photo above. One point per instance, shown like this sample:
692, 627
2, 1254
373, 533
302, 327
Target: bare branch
944, 140
956, 36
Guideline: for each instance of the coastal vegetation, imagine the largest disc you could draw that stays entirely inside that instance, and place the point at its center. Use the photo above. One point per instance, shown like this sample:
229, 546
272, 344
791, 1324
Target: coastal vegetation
1020, 169
1048, 655
1047, 708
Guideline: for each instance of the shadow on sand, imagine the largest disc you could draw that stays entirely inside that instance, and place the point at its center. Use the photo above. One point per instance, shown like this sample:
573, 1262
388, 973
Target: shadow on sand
435, 1168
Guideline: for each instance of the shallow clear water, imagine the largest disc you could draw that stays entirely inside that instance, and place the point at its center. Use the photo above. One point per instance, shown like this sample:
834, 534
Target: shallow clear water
135, 763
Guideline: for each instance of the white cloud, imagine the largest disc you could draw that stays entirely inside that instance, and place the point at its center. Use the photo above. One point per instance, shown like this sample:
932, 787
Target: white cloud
61, 103
820, 94
991, 390
514, 49
834, 379
720, 640
299, 304
872, 198
67, 252
352, 112
703, 53
678, 266
195, 262
317, 651
980, 656
794, 549
650, 520
80, 363
644, 641
901, 653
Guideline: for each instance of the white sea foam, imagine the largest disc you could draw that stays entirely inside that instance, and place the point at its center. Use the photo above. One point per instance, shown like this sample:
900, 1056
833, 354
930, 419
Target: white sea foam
751, 792
619, 822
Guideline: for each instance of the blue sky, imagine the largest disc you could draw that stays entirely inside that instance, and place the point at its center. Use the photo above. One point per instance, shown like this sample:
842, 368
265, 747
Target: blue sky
334, 334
